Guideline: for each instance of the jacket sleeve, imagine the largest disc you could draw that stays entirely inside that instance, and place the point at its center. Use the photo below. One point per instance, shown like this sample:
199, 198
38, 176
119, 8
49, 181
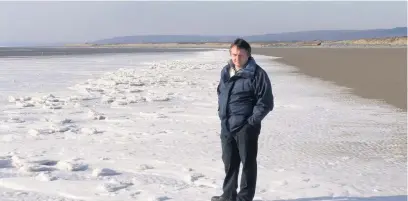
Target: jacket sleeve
219, 82
218, 88
218, 93
264, 99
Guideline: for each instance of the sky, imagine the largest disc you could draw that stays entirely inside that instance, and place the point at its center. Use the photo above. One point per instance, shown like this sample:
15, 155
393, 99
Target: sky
78, 22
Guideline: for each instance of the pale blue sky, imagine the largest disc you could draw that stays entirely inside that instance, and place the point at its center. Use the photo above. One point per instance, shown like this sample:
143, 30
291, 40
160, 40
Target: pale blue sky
49, 22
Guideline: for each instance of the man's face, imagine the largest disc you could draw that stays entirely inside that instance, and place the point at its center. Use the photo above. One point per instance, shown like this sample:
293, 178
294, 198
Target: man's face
239, 56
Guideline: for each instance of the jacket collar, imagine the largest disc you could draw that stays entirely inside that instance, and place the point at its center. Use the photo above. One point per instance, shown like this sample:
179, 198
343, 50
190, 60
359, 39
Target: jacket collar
247, 72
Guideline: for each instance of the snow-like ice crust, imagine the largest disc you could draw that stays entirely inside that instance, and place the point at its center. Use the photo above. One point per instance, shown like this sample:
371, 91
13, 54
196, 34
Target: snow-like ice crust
151, 132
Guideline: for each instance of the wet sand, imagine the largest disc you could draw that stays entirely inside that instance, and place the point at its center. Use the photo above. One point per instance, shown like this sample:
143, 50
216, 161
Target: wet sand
373, 73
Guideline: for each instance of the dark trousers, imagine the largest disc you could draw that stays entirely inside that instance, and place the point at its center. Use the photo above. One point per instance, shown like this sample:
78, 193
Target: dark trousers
238, 147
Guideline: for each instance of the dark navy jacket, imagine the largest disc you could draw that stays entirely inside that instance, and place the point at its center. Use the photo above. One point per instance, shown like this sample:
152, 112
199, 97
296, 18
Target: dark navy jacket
244, 98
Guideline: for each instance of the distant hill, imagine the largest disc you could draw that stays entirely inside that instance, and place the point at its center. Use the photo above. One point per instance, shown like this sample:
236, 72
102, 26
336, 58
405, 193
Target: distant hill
323, 35
30, 44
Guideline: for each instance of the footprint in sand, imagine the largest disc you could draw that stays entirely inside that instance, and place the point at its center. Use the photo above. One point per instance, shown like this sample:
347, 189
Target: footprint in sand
45, 162
47, 165
101, 172
15, 120
291, 106
119, 103
45, 176
95, 115
135, 99
51, 102
161, 198
199, 179
90, 131
144, 167
59, 121
158, 97
14, 99
113, 185
152, 115
51, 130
195, 176
143, 195
134, 90
36, 166
6, 162
37, 132
107, 99
72, 165
135, 194
24, 104
280, 183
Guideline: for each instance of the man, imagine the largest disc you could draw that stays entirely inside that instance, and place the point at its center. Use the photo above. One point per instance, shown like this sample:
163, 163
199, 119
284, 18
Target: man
244, 99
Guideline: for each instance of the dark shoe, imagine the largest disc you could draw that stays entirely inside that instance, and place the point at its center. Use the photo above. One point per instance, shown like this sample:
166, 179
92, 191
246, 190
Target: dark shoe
220, 198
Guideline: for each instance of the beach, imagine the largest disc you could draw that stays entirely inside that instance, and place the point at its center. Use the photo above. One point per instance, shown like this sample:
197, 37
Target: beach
374, 73
131, 127
64, 51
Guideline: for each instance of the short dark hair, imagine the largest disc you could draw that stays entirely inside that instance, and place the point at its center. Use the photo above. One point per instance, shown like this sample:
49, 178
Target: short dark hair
242, 44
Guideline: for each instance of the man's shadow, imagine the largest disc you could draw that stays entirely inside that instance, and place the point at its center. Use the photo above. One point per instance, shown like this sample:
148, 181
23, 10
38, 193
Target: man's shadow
376, 198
